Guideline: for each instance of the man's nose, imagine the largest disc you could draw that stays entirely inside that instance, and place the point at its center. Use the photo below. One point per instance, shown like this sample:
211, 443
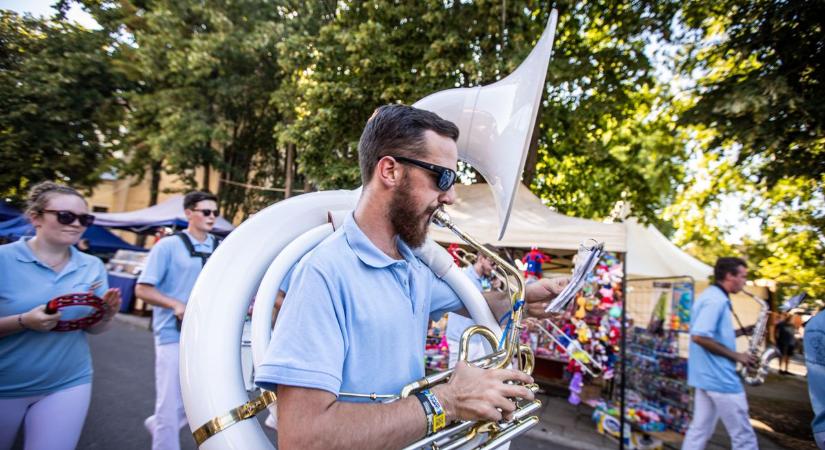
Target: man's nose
447, 197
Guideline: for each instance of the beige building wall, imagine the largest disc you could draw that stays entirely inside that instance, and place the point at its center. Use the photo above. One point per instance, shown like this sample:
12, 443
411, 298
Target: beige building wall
126, 194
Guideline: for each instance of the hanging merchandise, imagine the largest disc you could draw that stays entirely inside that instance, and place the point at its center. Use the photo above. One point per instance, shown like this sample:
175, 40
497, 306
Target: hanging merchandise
587, 335
657, 377
436, 350
533, 261
682, 302
657, 318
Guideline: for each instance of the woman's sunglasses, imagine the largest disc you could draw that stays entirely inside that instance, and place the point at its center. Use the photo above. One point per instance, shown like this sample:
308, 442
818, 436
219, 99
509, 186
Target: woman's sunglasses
445, 178
68, 217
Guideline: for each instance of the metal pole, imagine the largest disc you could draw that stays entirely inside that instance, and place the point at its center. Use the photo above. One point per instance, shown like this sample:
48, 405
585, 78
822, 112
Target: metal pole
622, 353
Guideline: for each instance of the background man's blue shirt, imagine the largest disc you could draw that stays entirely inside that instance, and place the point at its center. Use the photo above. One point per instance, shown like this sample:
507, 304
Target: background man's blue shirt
172, 271
33, 362
710, 317
815, 360
354, 319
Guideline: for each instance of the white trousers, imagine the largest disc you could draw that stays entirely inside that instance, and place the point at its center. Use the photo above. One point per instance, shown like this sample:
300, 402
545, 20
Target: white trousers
50, 422
169, 417
708, 408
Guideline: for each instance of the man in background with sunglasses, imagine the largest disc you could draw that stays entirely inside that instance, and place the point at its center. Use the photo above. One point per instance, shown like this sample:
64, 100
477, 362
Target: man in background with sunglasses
355, 317
173, 265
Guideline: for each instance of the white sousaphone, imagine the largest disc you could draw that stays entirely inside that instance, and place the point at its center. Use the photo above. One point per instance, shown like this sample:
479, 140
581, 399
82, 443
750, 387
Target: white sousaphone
495, 123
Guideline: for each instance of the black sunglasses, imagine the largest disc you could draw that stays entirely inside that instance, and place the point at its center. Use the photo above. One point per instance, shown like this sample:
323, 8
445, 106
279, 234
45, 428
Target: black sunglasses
68, 217
208, 212
445, 178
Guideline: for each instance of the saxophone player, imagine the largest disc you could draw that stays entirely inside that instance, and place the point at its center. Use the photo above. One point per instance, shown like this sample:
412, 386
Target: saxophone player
719, 393
356, 314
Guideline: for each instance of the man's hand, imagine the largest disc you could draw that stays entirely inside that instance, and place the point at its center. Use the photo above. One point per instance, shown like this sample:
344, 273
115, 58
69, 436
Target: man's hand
538, 295
179, 309
482, 394
747, 359
38, 320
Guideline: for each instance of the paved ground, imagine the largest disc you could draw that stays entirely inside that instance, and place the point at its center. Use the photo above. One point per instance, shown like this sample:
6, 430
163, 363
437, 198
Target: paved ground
123, 395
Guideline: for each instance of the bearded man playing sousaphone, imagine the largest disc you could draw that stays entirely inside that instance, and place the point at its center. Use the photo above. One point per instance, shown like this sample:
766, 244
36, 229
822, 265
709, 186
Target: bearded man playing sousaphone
356, 316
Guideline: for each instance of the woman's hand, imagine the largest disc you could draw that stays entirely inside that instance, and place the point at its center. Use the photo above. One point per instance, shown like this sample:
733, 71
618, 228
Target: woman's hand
111, 303
38, 320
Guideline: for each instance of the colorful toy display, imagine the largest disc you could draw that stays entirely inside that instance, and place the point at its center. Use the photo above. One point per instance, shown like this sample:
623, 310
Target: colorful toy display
533, 261
436, 351
657, 377
588, 334
682, 302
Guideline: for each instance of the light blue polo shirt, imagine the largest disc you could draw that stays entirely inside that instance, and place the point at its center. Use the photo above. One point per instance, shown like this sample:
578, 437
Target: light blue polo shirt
354, 319
173, 271
38, 363
815, 361
710, 316
456, 323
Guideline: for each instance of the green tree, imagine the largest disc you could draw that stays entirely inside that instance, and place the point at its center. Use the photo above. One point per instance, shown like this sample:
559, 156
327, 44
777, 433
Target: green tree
603, 136
205, 72
762, 78
60, 104
758, 78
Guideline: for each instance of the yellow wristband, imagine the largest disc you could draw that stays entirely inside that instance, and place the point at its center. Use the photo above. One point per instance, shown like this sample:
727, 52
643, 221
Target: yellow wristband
439, 418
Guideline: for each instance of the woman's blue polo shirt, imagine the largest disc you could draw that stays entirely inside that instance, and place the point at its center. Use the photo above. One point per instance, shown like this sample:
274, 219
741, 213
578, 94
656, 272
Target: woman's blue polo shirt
38, 363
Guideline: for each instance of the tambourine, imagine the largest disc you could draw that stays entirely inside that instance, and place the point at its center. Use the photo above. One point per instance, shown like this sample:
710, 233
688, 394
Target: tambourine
79, 299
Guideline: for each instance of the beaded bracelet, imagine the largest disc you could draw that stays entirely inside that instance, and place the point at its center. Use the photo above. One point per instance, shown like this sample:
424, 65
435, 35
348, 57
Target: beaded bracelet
20, 321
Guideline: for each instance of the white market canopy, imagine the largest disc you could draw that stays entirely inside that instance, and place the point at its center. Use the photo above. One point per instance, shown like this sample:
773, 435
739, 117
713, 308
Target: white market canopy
649, 253
168, 213
531, 223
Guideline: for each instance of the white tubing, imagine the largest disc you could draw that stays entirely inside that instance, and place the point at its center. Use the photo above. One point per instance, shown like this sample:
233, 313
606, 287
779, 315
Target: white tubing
210, 364
271, 283
211, 375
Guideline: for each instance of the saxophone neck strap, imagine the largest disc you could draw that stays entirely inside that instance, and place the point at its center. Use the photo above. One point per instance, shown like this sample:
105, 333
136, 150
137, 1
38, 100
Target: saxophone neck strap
730, 304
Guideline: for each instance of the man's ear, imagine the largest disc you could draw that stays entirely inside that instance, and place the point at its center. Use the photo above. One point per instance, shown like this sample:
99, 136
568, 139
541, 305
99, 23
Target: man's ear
388, 172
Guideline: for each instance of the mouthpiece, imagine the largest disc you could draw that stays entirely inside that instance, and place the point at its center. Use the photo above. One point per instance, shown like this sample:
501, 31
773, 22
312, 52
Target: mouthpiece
441, 218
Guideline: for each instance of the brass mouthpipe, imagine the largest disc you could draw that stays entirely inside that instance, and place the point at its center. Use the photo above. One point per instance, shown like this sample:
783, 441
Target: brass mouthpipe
510, 340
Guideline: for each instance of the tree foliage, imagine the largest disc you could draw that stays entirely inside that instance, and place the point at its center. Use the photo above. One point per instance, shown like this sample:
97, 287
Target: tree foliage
759, 74
60, 104
762, 67
729, 120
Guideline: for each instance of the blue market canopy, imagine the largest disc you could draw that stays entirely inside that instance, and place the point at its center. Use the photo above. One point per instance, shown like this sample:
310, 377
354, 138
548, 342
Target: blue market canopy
100, 239
7, 212
168, 213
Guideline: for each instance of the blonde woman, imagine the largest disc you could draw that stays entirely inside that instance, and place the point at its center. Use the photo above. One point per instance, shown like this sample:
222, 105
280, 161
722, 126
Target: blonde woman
46, 375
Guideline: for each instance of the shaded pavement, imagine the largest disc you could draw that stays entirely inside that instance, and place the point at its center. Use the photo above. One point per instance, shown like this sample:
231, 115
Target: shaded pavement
123, 396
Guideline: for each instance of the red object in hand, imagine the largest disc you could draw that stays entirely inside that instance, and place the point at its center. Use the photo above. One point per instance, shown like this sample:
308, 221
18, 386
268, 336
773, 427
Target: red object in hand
79, 299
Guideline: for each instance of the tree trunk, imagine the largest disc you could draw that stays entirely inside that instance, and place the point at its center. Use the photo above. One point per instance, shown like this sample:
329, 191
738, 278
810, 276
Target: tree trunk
288, 175
154, 191
532, 153
206, 176
154, 184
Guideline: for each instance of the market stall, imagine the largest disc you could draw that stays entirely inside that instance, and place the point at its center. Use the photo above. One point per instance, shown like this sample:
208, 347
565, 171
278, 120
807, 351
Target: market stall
598, 322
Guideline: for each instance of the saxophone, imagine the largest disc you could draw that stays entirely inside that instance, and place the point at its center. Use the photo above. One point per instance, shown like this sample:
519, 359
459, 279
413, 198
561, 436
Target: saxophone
756, 375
